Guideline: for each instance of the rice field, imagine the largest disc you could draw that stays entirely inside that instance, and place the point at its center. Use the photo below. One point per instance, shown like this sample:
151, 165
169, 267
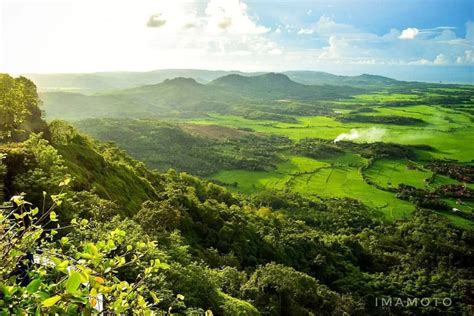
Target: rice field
449, 132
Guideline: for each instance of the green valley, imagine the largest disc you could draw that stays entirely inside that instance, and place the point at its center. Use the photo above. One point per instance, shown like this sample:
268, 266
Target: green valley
266, 150
307, 193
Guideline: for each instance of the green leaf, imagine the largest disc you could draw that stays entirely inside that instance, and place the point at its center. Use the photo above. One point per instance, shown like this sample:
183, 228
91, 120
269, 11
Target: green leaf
65, 182
43, 295
155, 298
58, 198
180, 297
52, 216
51, 301
62, 265
141, 301
73, 282
33, 286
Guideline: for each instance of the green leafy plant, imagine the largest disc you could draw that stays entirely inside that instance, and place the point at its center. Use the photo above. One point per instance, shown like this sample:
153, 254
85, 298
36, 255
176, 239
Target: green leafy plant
68, 278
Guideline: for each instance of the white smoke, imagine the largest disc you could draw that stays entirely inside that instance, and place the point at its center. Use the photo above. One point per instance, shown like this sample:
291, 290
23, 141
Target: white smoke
370, 135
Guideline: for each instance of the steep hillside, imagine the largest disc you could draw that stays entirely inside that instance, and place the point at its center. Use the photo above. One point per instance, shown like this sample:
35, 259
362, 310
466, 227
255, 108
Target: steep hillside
199, 150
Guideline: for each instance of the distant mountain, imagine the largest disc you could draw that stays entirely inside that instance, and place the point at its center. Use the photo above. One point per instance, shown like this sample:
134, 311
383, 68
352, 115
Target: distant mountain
179, 94
174, 97
269, 81
277, 86
107, 81
321, 78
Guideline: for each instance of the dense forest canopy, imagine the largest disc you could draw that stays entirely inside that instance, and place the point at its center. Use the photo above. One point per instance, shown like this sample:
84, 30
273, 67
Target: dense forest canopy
85, 227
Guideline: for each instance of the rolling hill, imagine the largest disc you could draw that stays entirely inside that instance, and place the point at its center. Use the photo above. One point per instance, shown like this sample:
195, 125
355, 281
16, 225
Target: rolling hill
185, 96
89, 83
273, 86
322, 78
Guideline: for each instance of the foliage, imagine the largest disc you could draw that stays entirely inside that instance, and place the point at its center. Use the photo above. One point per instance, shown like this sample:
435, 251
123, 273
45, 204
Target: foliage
379, 119
315, 148
186, 148
41, 273
173, 243
464, 173
279, 290
19, 111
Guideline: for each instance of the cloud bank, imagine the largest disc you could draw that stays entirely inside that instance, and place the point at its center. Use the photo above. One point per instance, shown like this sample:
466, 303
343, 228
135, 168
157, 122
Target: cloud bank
214, 34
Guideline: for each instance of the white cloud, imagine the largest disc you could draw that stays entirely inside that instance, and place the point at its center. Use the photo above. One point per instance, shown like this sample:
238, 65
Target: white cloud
422, 61
275, 51
231, 15
446, 35
441, 59
409, 33
156, 20
347, 44
69, 36
140, 35
305, 32
327, 26
467, 58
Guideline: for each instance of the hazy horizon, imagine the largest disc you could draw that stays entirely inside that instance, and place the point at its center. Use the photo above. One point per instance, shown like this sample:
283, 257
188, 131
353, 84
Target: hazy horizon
460, 75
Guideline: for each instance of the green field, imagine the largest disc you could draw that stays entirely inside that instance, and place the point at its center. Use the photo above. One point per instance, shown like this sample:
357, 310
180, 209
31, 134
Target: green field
391, 173
338, 177
255, 133
448, 131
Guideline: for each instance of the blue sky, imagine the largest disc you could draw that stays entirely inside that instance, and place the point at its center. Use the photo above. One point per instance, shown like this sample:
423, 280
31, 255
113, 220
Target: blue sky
374, 16
429, 39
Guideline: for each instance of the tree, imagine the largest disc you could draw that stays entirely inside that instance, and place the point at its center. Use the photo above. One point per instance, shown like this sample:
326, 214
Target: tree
19, 109
276, 289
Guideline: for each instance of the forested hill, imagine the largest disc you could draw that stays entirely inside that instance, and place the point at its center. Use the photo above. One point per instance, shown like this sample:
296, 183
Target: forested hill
180, 97
322, 78
274, 86
150, 241
104, 81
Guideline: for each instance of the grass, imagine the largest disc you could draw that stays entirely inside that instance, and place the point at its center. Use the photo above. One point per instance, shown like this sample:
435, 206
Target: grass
386, 97
389, 173
251, 181
339, 177
449, 132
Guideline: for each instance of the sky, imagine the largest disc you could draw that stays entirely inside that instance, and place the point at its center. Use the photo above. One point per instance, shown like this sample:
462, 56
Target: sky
402, 39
